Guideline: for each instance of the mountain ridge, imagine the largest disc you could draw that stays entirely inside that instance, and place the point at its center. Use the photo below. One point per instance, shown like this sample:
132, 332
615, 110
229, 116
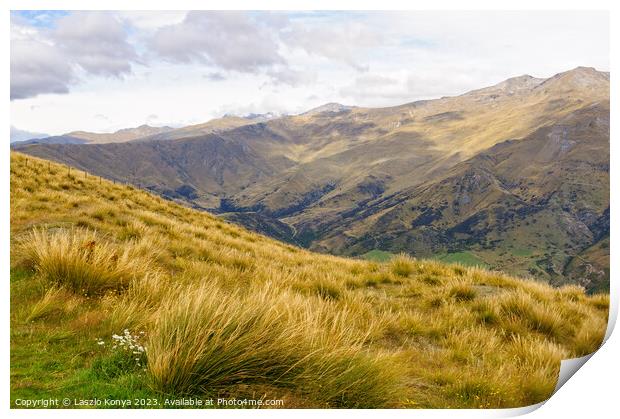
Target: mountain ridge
318, 172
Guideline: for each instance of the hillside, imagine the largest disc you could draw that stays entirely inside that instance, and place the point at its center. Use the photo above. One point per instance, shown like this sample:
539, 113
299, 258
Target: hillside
529, 205
212, 310
422, 178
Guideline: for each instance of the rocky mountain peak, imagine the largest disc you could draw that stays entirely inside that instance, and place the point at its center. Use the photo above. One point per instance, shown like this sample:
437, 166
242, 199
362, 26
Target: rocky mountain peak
328, 107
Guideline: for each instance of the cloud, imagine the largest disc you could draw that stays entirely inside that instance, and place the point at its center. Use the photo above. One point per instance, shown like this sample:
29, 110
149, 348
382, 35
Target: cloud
270, 103
152, 20
339, 41
96, 41
229, 40
37, 68
101, 117
283, 75
45, 59
380, 90
214, 76
371, 87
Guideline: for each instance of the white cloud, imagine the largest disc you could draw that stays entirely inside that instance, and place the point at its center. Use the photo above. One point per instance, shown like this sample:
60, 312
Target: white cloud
37, 68
404, 86
96, 41
372, 85
152, 20
346, 42
45, 60
229, 40
283, 75
214, 76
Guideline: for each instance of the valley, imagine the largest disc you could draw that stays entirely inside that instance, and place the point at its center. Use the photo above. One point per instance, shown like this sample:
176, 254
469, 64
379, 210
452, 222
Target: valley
513, 177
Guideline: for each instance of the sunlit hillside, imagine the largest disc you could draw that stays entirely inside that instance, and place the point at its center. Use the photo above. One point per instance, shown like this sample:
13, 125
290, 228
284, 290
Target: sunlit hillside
210, 309
514, 176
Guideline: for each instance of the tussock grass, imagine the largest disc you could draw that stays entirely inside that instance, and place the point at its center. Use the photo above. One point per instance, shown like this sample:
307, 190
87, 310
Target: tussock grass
402, 265
81, 260
54, 301
325, 289
539, 318
225, 309
208, 340
462, 292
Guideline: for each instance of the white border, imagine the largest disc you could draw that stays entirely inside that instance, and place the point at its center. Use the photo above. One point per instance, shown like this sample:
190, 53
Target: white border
591, 393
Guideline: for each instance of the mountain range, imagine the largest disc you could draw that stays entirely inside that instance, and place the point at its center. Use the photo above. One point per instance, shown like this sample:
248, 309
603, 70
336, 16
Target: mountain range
514, 177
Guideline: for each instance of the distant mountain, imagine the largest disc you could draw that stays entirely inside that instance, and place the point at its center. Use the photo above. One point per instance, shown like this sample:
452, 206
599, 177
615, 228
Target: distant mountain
122, 135
528, 206
262, 117
56, 139
84, 137
22, 135
216, 125
514, 176
329, 108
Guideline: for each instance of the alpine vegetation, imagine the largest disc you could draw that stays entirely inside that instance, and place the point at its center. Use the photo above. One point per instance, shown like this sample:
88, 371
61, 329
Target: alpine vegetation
118, 293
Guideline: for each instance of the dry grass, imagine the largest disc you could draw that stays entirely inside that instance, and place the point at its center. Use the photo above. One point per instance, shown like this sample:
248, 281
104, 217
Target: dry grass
207, 340
55, 300
81, 260
225, 309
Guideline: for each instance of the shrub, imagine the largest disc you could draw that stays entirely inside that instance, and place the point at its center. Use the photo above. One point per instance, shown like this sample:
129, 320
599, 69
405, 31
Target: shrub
600, 301
323, 288
589, 339
472, 393
434, 302
459, 270
571, 292
210, 339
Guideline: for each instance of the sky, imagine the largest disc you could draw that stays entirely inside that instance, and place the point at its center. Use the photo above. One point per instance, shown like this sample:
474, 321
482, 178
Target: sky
102, 71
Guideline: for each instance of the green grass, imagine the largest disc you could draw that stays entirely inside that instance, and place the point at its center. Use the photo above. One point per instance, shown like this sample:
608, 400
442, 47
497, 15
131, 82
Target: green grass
464, 258
522, 251
43, 367
378, 255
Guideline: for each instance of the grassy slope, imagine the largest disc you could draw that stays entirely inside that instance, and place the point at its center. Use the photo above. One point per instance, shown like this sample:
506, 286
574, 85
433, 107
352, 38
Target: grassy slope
228, 312
342, 180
